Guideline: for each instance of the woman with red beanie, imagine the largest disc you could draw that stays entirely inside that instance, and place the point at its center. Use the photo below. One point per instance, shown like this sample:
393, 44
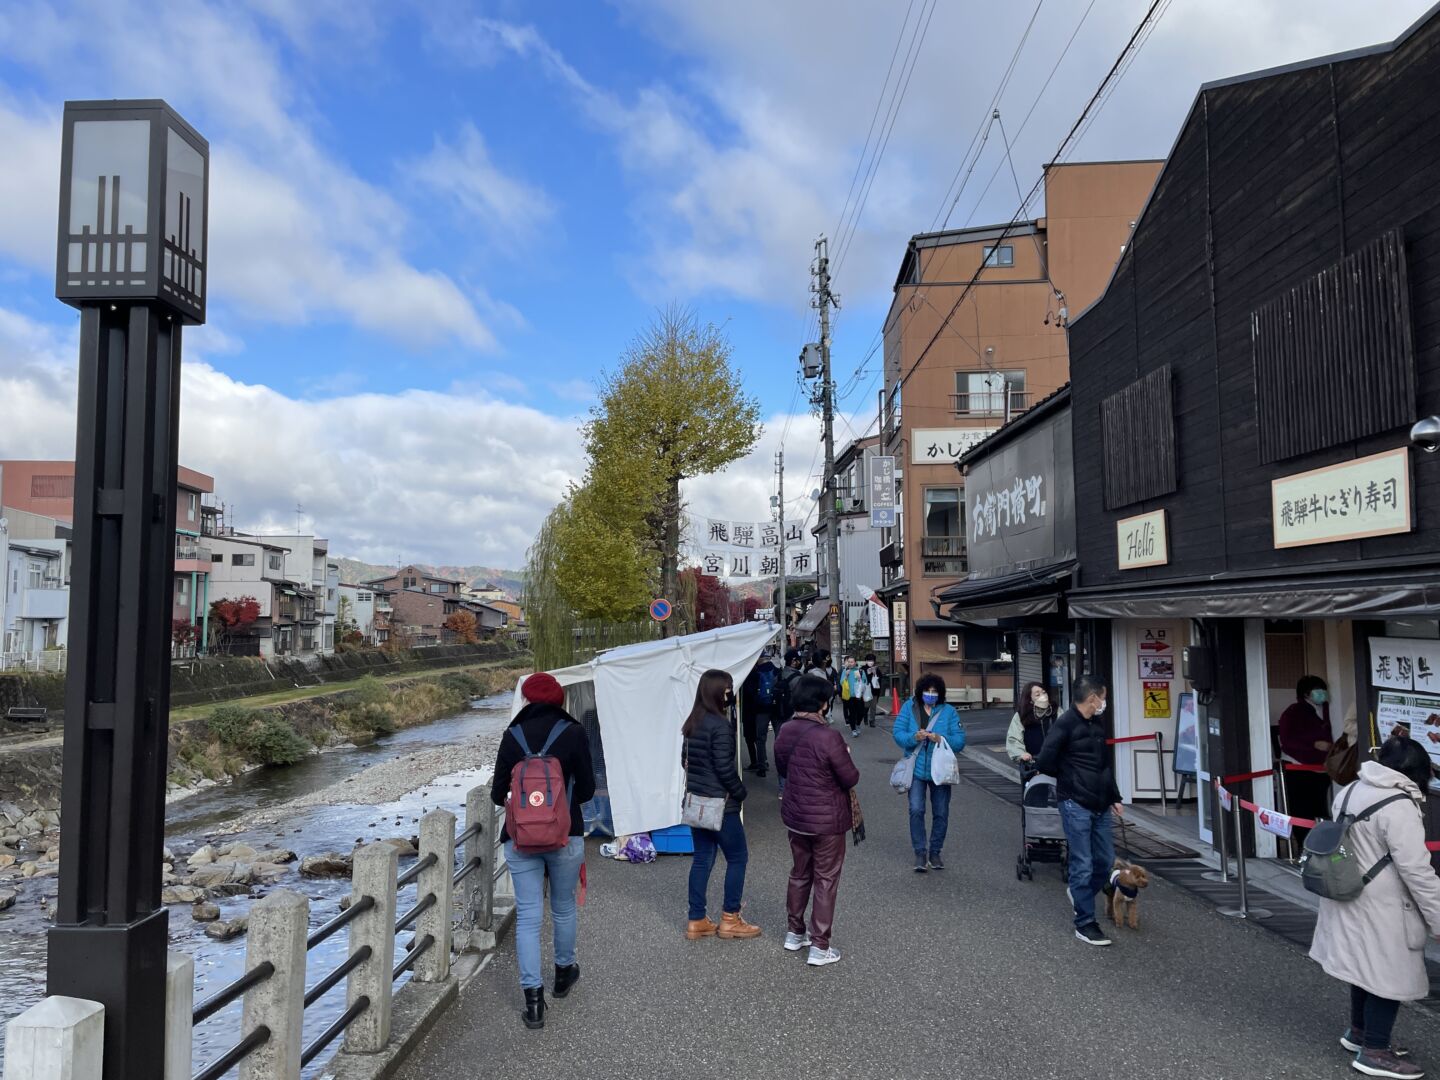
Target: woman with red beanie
542, 723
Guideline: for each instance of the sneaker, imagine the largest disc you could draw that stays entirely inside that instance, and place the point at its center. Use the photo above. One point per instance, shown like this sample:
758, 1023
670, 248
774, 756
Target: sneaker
854, 733
1354, 1041
935, 863
1381, 1063
796, 942
822, 957
1091, 934
921, 864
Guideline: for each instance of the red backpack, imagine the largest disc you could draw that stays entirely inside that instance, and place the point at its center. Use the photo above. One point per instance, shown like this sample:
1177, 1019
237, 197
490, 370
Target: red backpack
538, 813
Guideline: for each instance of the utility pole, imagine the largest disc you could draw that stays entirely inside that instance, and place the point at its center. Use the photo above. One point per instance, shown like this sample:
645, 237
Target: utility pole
782, 606
823, 299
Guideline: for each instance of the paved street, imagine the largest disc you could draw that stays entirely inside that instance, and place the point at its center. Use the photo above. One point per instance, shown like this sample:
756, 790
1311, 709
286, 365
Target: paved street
967, 973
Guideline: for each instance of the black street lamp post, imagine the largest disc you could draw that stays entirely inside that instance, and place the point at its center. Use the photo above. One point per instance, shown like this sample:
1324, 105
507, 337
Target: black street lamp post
134, 189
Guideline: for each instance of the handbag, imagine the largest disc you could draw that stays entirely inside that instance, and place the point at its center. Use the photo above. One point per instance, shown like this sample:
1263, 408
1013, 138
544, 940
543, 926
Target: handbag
1342, 762
701, 811
857, 817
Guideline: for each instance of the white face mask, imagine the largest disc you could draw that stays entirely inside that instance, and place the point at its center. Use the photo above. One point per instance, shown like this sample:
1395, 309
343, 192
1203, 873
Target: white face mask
1100, 709
1042, 702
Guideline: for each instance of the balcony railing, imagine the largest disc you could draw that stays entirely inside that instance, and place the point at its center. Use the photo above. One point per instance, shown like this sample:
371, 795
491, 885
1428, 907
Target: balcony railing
990, 403
192, 553
943, 555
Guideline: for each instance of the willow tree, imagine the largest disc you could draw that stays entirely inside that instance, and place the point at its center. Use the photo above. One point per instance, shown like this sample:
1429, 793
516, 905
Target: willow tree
674, 409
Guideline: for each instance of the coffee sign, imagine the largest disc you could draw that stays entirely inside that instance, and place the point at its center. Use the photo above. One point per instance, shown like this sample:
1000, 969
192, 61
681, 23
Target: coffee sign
1142, 541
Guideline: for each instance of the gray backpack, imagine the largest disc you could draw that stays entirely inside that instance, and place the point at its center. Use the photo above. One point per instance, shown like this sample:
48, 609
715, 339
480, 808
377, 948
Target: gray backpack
1328, 866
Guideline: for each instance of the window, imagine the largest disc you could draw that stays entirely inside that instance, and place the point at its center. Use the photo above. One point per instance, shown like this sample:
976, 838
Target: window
275, 562
410, 583
190, 502
436, 587
37, 574
52, 487
1004, 255
985, 393
944, 539
182, 590
364, 597
246, 559
215, 557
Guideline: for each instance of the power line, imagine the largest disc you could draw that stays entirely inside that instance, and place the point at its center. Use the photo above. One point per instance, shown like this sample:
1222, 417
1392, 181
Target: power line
1025, 202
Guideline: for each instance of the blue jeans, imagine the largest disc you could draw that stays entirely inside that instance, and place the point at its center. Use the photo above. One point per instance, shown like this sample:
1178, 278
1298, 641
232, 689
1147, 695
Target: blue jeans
731, 840
528, 873
1092, 856
939, 814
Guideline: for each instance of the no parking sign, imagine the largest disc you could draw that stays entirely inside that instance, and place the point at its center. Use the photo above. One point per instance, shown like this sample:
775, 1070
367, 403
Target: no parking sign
660, 609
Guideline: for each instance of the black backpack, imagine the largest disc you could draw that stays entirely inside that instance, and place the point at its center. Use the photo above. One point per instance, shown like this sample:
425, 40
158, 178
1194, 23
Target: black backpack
1327, 865
784, 687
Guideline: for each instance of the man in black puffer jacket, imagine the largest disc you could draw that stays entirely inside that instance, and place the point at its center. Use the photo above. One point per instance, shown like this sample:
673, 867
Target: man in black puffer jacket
1076, 755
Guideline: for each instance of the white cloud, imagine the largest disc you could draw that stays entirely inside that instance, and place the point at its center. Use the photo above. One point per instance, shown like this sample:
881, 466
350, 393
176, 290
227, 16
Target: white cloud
507, 209
451, 478
300, 238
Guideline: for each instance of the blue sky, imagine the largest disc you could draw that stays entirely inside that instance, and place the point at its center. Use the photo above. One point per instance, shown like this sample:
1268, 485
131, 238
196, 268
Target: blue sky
434, 223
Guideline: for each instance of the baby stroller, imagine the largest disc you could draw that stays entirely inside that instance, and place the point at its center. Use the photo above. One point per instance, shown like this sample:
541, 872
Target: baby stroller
1042, 837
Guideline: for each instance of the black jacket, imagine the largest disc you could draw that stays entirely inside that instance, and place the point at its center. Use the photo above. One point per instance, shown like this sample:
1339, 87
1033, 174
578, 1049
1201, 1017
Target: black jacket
710, 762
1076, 755
572, 749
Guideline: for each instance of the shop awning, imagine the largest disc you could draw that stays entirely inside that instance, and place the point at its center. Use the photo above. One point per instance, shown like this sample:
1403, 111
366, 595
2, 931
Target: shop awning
1008, 596
813, 618
1319, 596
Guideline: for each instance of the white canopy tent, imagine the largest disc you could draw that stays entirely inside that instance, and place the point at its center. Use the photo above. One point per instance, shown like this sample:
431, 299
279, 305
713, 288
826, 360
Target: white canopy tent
642, 695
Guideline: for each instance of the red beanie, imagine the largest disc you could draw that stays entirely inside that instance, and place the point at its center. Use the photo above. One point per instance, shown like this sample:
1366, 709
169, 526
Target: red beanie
543, 689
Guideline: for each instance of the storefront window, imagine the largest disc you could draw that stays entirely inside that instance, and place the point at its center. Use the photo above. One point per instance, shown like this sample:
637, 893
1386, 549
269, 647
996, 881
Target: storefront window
944, 539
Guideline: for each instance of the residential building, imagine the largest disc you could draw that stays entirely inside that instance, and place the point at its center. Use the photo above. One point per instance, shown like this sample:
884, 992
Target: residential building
418, 604
244, 566
484, 593
47, 489
858, 543
35, 612
974, 336
314, 583
356, 606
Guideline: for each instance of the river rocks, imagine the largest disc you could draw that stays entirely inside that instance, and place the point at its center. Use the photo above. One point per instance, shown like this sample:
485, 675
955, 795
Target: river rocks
263, 873
52, 855
167, 855
403, 846
330, 864
226, 873
28, 870
6, 860
205, 912
237, 853
278, 855
204, 857
7, 899
226, 930
181, 894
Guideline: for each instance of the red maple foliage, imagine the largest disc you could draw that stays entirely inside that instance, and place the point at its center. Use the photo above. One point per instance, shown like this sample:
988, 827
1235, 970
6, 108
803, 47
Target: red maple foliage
234, 616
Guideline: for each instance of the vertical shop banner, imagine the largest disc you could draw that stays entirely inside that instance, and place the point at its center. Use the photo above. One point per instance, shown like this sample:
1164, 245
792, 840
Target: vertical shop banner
770, 535
900, 633
1405, 664
882, 492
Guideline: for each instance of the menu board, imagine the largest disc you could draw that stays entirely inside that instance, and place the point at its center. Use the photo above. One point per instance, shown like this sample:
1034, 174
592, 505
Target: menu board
1419, 712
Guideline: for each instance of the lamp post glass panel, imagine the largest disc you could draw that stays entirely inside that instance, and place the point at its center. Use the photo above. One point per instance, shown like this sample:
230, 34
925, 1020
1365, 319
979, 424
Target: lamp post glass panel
131, 257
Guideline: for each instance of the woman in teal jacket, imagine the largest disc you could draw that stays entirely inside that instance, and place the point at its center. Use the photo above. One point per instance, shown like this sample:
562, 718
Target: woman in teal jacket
924, 721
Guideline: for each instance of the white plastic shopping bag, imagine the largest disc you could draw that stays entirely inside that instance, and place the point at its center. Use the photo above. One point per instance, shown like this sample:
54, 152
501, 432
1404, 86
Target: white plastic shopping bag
944, 769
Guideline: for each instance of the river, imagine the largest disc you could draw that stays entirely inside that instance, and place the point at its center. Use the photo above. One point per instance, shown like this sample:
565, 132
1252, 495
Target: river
307, 831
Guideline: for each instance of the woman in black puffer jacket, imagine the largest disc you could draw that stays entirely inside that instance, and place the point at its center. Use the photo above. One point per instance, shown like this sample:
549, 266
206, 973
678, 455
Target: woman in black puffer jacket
710, 770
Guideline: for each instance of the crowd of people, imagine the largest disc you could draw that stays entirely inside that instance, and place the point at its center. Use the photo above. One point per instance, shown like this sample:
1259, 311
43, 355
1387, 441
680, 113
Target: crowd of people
1373, 940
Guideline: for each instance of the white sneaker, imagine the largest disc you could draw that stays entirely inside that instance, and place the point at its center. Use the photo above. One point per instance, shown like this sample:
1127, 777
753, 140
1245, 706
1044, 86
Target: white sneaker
796, 942
821, 957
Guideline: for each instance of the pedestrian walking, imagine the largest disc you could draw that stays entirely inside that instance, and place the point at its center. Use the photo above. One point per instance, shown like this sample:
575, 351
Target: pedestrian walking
1376, 941
1030, 724
853, 688
711, 772
925, 720
543, 732
818, 812
757, 702
874, 682
1074, 752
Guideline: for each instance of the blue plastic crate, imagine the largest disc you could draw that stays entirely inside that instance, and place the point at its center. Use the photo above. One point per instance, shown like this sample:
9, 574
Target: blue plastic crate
676, 840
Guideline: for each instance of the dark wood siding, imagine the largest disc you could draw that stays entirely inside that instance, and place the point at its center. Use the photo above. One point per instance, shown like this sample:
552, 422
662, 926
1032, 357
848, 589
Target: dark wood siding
1272, 181
1137, 432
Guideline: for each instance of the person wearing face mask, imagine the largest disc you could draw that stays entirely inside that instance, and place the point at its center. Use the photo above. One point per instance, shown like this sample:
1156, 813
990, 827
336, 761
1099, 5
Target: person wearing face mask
1305, 738
923, 721
1074, 752
709, 761
1030, 724
872, 680
854, 688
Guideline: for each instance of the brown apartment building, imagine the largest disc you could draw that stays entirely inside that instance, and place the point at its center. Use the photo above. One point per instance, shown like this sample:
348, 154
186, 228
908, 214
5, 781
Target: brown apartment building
414, 604
1002, 350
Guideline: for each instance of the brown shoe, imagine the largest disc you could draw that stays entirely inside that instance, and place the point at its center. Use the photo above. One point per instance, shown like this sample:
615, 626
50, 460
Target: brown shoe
734, 927
695, 929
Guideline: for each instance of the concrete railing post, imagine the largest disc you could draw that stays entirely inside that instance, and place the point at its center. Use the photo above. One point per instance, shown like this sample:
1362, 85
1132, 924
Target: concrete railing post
60, 1038
437, 836
478, 846
276, 934
504, 883
179, 1004
374, 874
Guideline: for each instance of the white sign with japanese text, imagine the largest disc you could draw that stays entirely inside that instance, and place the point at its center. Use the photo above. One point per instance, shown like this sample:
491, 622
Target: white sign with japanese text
1405, 664
1369, 496
900, 632
1019, 500
944, 446
1272, 821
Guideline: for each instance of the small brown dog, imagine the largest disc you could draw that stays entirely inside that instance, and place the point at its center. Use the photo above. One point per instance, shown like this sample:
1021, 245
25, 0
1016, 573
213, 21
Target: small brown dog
1126, 881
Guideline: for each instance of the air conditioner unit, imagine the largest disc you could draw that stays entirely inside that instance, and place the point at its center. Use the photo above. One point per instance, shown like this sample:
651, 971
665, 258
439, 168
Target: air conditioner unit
953, 643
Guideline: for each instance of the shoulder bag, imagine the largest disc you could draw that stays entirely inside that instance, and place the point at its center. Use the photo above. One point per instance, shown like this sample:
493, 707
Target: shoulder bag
699, 811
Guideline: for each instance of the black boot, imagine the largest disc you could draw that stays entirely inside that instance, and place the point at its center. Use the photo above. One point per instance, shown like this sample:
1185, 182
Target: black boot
534, 1014
565, 978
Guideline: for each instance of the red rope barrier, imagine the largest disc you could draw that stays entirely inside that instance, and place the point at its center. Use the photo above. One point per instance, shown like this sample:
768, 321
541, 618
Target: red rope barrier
1240, 778
1133, 738
1295, 766
1432, 845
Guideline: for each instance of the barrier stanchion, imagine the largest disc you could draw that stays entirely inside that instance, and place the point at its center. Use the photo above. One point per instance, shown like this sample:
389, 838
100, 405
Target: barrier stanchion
1282, 802
1244, 911
1160, 763
1223, 874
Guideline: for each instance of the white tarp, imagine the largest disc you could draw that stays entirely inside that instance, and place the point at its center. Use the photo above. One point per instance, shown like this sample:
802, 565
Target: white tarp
642, 695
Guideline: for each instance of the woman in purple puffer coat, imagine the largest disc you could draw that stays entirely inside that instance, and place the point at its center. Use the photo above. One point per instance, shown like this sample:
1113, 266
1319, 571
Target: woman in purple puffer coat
815, 765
